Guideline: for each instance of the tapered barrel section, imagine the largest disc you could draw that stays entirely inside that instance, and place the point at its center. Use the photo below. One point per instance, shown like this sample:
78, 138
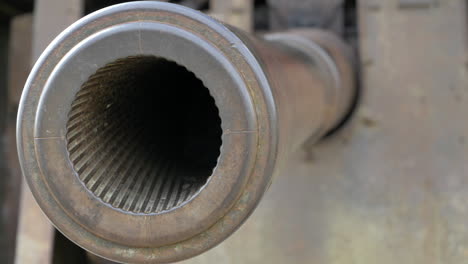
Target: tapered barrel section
148, 132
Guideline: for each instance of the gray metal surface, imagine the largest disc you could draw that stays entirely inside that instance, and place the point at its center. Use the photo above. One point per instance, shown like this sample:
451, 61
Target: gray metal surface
286, 14
392, 187
417, 3
234, 12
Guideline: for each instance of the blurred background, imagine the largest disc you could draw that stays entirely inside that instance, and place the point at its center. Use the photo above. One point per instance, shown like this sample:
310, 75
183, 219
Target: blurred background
390, 186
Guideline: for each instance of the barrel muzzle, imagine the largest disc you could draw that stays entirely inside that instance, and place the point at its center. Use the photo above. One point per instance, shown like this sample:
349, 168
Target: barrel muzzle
148, 132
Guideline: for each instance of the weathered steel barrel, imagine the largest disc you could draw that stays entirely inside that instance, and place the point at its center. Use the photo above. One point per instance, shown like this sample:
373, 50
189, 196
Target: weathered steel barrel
148, 132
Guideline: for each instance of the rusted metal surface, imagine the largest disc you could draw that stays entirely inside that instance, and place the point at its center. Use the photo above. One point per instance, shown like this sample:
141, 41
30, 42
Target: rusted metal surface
35, 233
271, 95
391, 187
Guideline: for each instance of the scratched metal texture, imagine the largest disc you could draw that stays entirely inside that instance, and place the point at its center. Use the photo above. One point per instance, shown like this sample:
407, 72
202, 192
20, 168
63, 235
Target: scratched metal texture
392, 187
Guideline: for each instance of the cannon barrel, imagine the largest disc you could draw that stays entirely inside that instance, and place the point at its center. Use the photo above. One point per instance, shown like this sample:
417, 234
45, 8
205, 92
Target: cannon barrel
148, 132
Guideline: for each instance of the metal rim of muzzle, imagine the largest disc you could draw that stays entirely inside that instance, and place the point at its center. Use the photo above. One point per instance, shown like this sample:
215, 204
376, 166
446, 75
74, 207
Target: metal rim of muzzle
246, 109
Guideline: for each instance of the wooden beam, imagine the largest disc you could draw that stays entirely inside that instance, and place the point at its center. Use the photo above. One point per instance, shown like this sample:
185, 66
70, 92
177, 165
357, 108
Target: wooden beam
35, 233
